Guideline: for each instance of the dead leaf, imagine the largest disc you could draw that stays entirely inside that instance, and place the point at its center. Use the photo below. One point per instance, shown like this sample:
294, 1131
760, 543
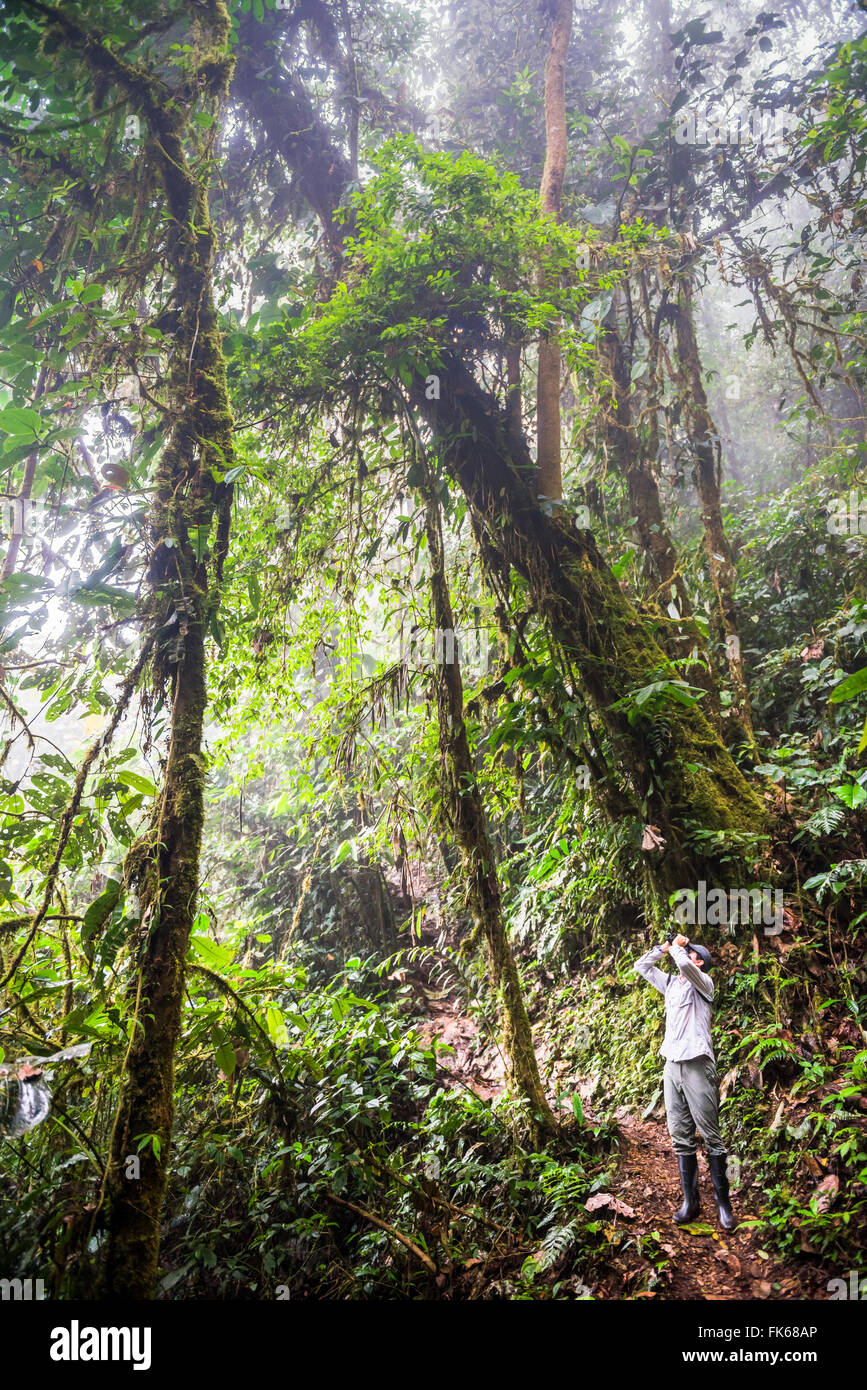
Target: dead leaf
652, 838
727, 1082
777, 1121
605, 1199
828, 1188
764, 1288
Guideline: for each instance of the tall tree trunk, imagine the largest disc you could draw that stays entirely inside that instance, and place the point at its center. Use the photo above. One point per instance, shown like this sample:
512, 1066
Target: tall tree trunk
466, 817
548, 461
708, 474
188, 496
683, 637
637, 472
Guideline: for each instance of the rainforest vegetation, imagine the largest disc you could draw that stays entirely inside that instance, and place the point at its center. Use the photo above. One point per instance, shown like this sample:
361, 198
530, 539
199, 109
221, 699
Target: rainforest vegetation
433, 565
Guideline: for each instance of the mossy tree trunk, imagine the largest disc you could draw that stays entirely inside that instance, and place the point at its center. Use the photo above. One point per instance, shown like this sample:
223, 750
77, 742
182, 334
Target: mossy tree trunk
465, 817
696, 784
188, 497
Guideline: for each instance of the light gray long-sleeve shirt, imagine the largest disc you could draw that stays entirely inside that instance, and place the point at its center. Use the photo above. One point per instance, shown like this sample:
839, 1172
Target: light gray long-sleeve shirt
688, 996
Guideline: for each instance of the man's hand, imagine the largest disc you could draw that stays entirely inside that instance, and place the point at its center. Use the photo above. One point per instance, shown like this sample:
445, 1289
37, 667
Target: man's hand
666, 947
681, 940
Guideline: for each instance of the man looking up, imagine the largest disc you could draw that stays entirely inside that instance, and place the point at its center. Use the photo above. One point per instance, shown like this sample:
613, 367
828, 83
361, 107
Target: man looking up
690, 1080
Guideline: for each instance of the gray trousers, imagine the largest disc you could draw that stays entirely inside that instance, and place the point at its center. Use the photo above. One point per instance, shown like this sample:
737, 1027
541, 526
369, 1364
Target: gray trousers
691, 1091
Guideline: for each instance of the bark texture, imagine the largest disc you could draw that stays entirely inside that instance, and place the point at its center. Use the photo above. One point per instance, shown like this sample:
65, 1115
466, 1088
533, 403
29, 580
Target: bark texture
548, 459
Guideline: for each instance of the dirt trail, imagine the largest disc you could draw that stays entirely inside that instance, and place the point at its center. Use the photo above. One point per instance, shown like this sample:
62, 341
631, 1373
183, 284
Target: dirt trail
703, 1261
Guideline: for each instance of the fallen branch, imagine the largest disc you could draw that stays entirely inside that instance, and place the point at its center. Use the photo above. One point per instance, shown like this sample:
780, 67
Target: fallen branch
384, 1226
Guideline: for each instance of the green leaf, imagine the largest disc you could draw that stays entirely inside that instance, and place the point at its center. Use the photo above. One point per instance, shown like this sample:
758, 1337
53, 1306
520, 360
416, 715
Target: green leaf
105, 594
214, 956
7, 305
850, 687
343, 852
851, 793
20, 586
618, 569
99, 911
91, 293
137, 782
16, 419
226, 1059
217, 631
276, 1027
254, 591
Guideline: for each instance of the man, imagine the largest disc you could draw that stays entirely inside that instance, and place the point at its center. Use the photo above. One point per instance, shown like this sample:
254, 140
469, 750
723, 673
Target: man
690, 1081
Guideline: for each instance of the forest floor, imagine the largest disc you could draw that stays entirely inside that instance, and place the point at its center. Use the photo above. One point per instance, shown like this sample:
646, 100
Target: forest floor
701, 1261
704, 1261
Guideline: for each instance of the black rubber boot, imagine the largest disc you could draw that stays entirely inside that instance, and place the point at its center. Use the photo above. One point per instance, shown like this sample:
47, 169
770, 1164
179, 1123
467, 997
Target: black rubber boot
717, 1164
688, 1165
